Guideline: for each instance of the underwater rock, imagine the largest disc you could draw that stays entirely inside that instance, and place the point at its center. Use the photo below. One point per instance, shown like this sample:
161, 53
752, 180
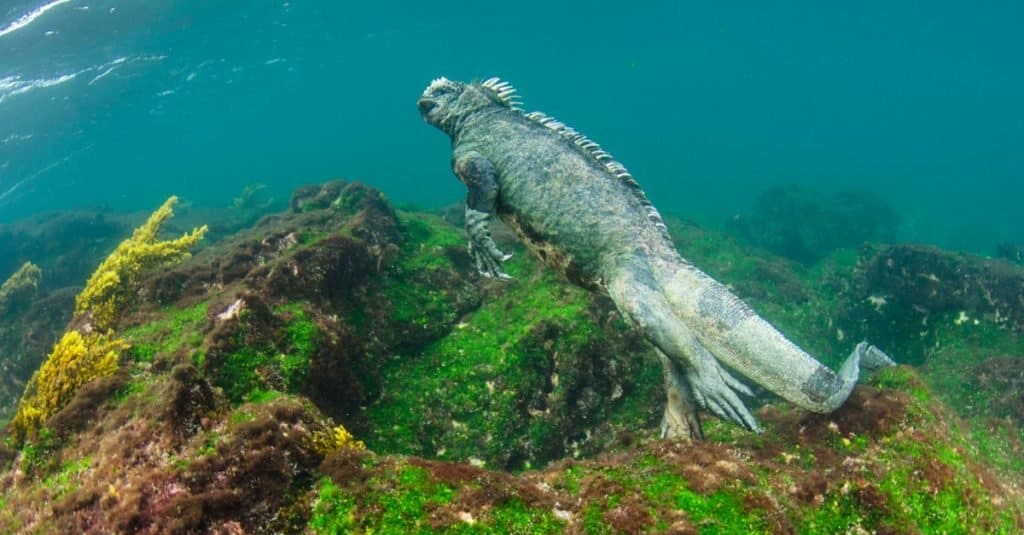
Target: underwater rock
349, 311
918, 289
806, 226
247, 481
26, 339
189, 398
888, 462
935, 281
1011, 251
18, 290
66, 246
86, 406
1002, 379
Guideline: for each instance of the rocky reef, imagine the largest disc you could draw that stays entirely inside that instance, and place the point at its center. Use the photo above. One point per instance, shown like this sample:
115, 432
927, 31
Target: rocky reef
339, 367
805, 225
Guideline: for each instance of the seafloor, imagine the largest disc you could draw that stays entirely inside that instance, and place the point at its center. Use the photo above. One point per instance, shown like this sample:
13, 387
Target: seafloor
338, 366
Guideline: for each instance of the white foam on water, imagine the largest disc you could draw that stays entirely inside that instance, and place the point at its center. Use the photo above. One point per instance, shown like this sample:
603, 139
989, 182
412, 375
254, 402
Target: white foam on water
12, 86
29, 17
110, 68
15, 138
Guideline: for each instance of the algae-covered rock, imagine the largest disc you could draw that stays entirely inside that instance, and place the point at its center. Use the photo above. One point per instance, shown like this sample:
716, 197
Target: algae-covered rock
26, 339
806, 226
261, 366
17, 291
1014, 252
933, 281
66, 246
921, 301
889, 461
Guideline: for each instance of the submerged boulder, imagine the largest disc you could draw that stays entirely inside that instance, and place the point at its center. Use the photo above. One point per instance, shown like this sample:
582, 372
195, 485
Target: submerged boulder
806, 226
918, 299
526, 406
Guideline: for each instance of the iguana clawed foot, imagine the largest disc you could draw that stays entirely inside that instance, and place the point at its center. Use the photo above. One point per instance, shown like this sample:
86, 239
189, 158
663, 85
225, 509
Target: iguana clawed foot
714, 389
482, 249
488, 259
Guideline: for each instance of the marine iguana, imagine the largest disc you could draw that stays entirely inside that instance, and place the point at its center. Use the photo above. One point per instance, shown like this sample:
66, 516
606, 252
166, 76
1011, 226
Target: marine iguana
582, 213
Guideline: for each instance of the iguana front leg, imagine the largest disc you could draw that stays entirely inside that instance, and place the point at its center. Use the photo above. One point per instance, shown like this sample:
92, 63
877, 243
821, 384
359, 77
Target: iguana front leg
480, 178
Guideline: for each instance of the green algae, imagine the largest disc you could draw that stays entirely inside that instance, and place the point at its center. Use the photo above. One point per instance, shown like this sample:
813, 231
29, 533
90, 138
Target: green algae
654, 496
65, 479
905, 379
515, 517
410, 300
399, 502
404, 498
38, 453
173, 329
923, 476
472, 375
466, 395
252, 373
463, 396
428, 242
333, 510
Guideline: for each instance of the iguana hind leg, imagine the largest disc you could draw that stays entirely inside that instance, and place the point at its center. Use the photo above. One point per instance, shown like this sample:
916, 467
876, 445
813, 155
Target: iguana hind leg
699, 378
680, 419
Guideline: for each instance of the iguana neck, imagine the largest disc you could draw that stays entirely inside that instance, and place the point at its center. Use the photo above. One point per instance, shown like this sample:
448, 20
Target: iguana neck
466, 121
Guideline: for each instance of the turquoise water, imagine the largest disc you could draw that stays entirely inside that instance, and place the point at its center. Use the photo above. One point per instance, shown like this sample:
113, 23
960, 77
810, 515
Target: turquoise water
119, 104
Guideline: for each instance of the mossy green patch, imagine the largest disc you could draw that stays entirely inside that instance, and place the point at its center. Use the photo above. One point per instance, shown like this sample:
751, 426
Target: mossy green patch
405, 508
413, 300
667, 492
173, 329
839, 513
963, 345
905, 379
38, 454
405, 499
514, 517
251, 373
418, 306
333, 510
428, 239
135, 387
461, 397
397, 504
922, 477
1000, 444
66, 478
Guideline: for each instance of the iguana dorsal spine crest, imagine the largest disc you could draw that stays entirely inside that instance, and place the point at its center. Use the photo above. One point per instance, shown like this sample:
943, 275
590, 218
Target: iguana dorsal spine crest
505, 94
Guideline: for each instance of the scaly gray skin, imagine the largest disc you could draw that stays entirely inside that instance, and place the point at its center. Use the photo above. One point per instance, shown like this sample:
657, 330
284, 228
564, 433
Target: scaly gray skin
582, 214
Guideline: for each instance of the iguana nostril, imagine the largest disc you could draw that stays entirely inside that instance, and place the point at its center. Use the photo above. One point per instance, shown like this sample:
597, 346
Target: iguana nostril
426, 105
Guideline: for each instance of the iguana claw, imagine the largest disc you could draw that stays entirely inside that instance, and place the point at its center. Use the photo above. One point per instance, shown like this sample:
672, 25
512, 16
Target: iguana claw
488, 260
715, 389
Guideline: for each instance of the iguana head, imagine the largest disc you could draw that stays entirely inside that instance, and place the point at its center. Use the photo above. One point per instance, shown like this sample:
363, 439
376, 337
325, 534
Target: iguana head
445, 103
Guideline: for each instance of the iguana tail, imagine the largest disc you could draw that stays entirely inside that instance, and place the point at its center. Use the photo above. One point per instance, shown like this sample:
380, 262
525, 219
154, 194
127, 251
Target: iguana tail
748, 344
